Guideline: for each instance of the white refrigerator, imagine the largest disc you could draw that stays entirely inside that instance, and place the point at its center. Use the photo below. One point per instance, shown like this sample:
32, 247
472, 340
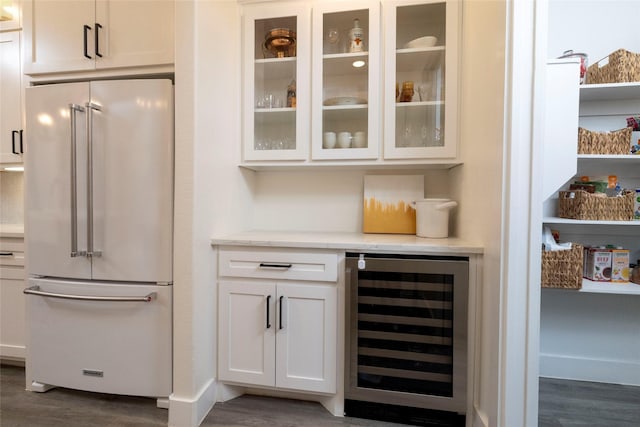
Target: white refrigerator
99, 215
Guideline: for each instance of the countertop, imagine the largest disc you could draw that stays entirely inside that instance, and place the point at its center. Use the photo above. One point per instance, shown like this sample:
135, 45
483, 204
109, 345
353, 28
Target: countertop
11, 230
350, 242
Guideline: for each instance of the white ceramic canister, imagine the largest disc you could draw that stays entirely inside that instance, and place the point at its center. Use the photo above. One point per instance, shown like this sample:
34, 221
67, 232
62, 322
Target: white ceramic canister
432, 217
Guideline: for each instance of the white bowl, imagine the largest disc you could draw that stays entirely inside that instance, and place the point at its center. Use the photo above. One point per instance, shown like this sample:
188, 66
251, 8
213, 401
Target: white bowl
426, 41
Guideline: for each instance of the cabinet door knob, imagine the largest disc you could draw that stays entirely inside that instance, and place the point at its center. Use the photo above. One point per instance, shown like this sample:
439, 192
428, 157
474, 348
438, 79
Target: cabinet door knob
86, 29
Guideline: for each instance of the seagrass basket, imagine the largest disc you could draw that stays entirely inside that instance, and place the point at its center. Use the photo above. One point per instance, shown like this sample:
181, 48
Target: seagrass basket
614, 142
619, 67
562, 269
579, 204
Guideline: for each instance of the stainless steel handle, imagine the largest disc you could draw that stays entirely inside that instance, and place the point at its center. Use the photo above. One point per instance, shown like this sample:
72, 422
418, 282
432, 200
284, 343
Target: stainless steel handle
73, 108
90, 108
35, 290
275, 266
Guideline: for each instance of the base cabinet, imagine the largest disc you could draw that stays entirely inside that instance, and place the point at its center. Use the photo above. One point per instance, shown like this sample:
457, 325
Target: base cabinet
278, 334
278, 319
12, 301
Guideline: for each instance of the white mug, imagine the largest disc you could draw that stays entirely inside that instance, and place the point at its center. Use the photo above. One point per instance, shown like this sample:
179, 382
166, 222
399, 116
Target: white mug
344, 139
329, 140
359, 140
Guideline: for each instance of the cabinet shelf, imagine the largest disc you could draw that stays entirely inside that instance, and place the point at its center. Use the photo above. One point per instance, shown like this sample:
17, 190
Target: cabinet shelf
610, 91
419, 59
418, 104
627, 288
598, 164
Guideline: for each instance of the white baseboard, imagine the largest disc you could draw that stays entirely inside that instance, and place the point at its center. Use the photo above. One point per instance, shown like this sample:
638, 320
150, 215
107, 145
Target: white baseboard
190, 412
584, 369
18, 352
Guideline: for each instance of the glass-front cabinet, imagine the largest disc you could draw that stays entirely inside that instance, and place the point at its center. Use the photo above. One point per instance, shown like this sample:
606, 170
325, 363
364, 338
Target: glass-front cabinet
346, 85
276, 98
421, 79
314, 91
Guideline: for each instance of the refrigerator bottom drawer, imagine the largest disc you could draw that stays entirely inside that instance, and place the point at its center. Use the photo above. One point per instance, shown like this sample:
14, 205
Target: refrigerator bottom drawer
101, 344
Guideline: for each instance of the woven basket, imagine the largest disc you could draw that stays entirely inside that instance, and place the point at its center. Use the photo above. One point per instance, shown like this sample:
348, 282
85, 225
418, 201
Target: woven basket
562, 269
620, 66
614, 142
579, 204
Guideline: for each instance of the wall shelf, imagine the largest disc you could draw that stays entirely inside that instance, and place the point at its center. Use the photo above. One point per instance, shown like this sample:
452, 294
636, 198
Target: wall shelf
609, 91
627, 288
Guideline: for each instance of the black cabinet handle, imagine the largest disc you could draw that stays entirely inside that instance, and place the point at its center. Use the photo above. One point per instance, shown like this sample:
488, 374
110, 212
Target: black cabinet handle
280, 313
268, 303
273, 265
21, 145
98, 26
6, 253
86, 54
13, 142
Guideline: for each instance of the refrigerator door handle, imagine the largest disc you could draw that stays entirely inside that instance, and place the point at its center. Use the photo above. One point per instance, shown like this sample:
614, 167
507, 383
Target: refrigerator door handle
73, 108
35, 290
90, 108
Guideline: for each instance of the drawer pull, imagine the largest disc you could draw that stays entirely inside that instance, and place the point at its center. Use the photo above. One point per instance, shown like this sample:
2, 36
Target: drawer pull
275, 266
6, 253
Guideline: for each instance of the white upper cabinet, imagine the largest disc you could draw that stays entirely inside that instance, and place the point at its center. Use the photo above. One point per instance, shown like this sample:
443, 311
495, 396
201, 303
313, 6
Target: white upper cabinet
80, 35
276, 99
421, 78
346, 83
11, 129
346, 113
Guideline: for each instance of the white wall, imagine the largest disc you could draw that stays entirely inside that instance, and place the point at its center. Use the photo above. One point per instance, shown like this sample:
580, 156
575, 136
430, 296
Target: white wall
594, 27
478, 183
211, 194
322, 201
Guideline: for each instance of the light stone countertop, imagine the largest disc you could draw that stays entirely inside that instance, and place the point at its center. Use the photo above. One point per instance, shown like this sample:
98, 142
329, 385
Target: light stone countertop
350, 242
11, 230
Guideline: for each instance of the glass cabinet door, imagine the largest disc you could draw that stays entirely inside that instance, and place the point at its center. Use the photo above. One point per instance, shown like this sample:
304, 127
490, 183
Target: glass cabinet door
276, 97
345, 87
420, 87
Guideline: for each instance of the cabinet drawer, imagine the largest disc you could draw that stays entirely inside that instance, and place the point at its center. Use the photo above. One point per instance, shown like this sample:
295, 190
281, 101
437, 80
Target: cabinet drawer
11, 252
279, 264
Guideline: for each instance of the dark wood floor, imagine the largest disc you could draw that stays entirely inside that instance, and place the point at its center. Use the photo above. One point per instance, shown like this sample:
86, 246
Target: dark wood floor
562, 403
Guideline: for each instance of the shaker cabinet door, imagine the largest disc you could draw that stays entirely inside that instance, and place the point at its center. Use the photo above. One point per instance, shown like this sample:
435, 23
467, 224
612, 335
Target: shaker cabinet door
306, 337
59, 35
11, 129
246, 332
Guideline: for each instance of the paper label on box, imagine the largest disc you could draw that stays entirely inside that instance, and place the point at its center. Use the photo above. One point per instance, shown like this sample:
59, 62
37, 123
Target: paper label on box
599, 265
619, 265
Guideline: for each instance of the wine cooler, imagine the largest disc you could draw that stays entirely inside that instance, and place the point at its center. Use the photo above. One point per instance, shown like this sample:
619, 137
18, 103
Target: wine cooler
406, 338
